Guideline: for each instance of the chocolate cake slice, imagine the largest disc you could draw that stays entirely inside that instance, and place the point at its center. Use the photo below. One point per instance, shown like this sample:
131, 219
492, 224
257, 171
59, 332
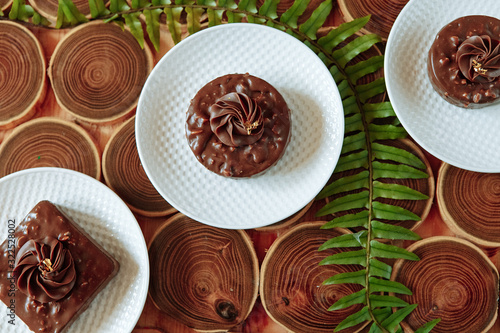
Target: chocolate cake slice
51, 270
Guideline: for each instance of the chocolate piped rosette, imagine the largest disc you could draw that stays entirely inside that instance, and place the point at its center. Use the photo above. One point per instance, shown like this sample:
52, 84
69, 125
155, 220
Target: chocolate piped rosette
238, 125
464, 61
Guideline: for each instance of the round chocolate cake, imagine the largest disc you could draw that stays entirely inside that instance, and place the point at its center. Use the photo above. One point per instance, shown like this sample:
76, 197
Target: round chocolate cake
464, 61
238, 125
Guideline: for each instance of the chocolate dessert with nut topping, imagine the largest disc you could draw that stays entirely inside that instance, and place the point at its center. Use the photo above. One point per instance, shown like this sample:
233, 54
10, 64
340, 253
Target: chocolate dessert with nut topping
238, 125
55, 270
464, 61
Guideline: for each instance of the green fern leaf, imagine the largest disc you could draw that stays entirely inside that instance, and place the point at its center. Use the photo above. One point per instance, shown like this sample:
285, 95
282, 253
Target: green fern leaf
385, 170
20, 11
354, 48
378, 301
350, 105
67, 13
347, 240
391, 212
388, 231
136, 4
378, 111
372, 89
358, 277
230, 5
353, 123
348, 221
384, 152
153, 26
40, 20
340, 34
338, 76
397, 317
317, 19
116, 6
98, 8
134, 24
268, 9
214, 16
358, 297
354, 319
346, 258
348, 202
193, 19
352, 161
293, 13
386, 132
380, 250
345, 184
427, 327
248, 6
173, 22
362, 68
380, 269
345, 89
354, 142
396, 191
380, 285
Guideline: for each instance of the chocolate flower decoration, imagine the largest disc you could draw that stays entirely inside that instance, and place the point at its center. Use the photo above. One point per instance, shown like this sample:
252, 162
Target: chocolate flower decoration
236, 119
44, 270
478, 58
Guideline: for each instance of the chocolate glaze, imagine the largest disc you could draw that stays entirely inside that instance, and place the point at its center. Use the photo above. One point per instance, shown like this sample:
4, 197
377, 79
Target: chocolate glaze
94, 269
471, 91
242, 159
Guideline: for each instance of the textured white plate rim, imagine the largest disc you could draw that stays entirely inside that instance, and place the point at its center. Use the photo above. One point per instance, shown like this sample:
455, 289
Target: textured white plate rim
442, 155
145, 284
179, 48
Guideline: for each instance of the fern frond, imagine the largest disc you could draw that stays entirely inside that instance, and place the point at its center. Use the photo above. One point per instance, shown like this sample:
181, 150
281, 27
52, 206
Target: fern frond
317, 19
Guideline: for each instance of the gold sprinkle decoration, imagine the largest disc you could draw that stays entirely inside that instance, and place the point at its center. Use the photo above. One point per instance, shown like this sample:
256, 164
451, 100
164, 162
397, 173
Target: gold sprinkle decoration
478, 67
251, 127
47, 265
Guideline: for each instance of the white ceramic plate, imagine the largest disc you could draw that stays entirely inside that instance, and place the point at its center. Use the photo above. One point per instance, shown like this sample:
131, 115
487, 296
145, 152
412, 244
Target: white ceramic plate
468, 139
317, 126
103, 215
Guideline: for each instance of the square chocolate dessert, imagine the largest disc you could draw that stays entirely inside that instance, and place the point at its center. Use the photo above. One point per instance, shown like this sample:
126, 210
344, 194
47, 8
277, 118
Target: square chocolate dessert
51, 269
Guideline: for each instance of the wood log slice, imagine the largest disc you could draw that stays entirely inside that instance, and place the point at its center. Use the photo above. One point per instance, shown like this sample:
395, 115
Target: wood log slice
5, 4
48, 8
423, 185
205, 277
22, 73
286, 223
50, 142
97, 72
123, 172
292, 290
383, 13
469, 203
454, 281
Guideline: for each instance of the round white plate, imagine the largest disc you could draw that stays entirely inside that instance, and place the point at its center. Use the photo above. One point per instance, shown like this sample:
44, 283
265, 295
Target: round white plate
468, 139
317, 126
103, 215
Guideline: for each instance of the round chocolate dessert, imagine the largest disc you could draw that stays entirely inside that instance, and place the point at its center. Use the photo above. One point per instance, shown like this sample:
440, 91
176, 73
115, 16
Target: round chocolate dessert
238, 125
464, 61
